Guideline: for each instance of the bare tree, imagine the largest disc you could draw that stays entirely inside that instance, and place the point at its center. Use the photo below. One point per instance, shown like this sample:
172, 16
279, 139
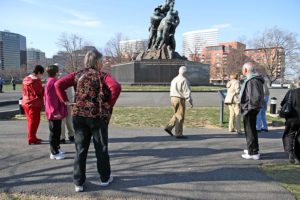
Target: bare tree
194, 53
16, 73
280, 50
72, 46
235, 59
112, 48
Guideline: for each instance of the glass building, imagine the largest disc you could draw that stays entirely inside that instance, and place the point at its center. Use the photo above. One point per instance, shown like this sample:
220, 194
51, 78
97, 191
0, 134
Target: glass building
13, 54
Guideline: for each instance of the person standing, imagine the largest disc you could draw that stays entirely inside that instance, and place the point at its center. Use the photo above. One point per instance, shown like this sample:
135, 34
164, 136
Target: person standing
251, 98
13, 82
87, 119
32, 102
261, 121
180, 92
67, 122
233, 102
1, 85
55, 112
291, 135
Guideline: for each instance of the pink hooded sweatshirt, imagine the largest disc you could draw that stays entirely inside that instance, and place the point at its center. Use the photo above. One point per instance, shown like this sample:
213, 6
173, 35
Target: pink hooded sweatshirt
55, 110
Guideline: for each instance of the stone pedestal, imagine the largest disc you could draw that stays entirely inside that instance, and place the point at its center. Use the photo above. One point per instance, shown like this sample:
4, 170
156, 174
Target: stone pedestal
159, 72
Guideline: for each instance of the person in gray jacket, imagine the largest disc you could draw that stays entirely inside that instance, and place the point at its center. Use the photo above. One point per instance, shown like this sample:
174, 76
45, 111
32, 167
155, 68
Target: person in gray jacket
252, 100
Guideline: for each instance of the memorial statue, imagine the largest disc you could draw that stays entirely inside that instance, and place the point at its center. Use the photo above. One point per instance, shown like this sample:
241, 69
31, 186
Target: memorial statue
162, 44
155, 21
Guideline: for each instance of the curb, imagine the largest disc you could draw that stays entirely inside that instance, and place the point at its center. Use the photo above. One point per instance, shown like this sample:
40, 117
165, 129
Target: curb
11, 102
133, 91
8, 114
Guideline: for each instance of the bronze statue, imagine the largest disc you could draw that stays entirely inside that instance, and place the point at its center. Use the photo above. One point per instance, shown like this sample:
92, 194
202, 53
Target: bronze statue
163, 30
155, 21
162, 44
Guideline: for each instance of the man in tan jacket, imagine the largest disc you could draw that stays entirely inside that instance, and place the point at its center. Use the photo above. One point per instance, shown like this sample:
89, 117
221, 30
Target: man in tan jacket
180, 92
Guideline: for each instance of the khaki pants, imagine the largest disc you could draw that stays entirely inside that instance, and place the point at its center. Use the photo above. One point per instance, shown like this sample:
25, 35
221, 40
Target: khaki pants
234, 117
178, 117
67, 122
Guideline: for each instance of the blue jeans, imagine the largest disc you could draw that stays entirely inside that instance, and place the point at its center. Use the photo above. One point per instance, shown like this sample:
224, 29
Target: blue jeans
261, 121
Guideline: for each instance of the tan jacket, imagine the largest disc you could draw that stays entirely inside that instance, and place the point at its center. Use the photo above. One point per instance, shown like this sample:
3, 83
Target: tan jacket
233, 90
180, 87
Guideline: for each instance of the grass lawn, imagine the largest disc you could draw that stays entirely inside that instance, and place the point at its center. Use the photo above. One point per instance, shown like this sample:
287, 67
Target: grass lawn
287, 174
143, 117
9, 87
159, 117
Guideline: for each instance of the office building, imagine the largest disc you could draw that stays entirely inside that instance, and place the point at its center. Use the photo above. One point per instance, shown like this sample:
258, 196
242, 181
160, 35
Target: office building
13, 54
195, 41
35, 57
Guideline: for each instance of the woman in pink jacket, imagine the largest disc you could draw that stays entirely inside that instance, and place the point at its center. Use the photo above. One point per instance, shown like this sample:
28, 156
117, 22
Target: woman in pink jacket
55, 112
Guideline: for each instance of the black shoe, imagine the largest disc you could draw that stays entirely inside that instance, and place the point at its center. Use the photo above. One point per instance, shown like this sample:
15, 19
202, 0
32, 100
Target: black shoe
291, 158
265, 130
63, 141
168, 131
181, 137
72, 139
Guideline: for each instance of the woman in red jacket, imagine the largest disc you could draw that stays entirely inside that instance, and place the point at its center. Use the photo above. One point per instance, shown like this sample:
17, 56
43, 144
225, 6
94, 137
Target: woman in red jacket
88, 120
32, 102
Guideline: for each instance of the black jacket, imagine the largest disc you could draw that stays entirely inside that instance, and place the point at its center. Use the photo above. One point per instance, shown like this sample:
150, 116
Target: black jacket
252, 97
295, 102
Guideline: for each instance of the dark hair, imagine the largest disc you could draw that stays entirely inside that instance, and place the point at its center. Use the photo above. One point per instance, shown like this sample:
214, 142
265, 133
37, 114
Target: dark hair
38, 69
52, 70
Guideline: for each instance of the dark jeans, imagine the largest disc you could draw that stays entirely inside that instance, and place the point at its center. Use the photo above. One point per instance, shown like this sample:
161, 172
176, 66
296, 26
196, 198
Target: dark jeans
54, 137
289, 139
85, 128
250, 132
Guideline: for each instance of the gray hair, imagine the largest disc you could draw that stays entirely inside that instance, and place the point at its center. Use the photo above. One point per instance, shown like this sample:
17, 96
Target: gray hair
91, 58
249, 66
182, 70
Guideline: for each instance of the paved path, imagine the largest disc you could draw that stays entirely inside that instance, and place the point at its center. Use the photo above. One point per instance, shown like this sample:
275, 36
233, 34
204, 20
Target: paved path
147, 164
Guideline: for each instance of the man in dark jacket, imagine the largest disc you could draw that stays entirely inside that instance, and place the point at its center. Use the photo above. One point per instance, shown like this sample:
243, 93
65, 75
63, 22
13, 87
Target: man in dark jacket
252, 99
291, 135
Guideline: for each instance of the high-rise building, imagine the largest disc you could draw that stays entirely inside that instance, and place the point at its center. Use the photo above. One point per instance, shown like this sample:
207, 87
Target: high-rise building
195, 41
13, 54
35, 57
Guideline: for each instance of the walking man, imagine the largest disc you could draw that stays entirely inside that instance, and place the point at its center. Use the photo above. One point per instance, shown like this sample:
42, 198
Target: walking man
180, 92
252, 100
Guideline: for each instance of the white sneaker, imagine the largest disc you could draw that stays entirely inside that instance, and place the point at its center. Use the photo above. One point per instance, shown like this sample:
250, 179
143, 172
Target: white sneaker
78, 188
246, 151
61, 151
248, 157
58, 156
104, 184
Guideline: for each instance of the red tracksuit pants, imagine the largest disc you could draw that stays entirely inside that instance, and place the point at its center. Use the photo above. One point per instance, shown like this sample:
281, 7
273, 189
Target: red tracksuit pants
33, 118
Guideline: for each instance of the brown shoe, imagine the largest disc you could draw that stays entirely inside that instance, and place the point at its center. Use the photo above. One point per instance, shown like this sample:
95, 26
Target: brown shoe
169, 132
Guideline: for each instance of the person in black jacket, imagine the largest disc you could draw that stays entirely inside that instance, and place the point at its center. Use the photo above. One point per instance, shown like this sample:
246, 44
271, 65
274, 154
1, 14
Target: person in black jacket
252, 99
291, 135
